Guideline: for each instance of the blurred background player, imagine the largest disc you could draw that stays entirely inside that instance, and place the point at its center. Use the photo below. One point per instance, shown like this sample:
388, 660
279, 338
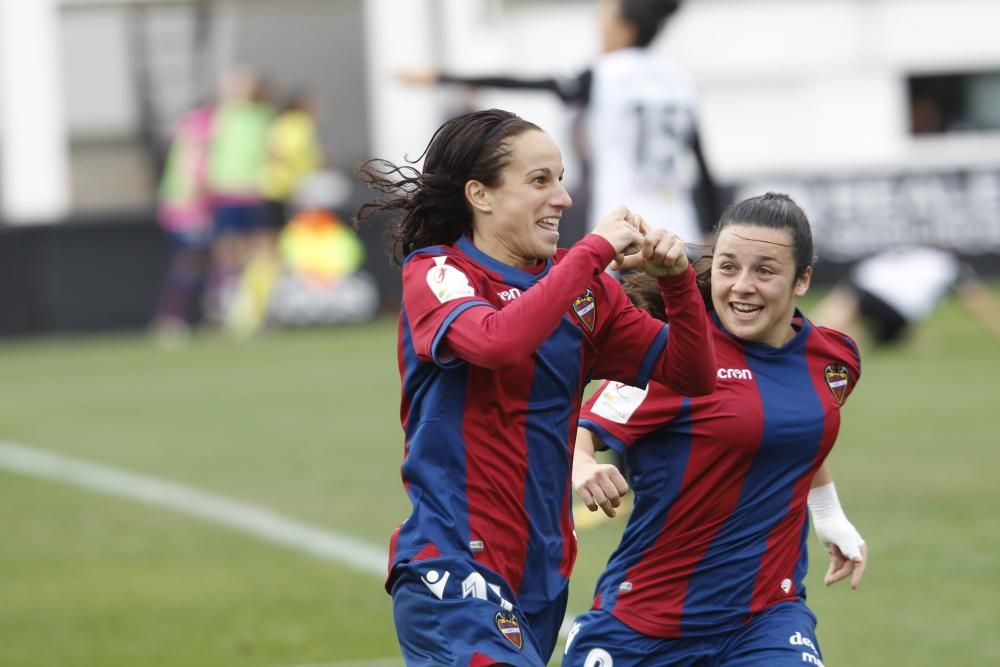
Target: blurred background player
292, 153
711, 566
498, 330
640, 144
237, 156
184, 211
888, 293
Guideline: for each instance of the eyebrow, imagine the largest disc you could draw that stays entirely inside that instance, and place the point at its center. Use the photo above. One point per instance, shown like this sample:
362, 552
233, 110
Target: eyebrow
763, 258
544, 170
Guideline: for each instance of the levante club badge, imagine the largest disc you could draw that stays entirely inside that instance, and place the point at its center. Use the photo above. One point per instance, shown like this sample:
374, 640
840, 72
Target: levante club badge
585, 307
836, 379
510, 629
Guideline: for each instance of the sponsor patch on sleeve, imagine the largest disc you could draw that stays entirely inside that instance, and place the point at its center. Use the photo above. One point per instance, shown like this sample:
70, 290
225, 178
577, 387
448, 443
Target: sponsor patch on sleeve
618, 401
447, 282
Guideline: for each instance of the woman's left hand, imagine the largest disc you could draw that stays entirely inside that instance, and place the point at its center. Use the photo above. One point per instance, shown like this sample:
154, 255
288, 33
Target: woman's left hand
662, 253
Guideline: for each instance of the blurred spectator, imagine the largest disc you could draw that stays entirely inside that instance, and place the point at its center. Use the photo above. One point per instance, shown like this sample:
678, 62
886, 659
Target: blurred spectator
886, 294
235, 162
185, 213
640, 136
292, 154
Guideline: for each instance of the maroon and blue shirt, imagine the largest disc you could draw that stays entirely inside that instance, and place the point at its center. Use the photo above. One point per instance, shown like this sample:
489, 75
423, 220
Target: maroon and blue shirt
719, 526
488, 444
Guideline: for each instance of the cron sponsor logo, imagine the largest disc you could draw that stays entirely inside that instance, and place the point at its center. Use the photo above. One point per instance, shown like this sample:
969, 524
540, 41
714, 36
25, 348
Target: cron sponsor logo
734, 374
509, 294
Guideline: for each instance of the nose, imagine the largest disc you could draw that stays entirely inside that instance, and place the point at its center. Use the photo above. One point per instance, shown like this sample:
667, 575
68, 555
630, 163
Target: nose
744, 282
561, 198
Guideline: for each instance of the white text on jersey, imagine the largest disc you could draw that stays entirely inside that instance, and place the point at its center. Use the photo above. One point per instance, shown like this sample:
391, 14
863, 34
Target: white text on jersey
734, 374
509, 294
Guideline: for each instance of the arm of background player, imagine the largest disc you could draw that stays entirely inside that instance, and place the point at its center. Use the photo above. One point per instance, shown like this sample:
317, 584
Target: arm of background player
688, 365
498, 339
570, 90
597, 484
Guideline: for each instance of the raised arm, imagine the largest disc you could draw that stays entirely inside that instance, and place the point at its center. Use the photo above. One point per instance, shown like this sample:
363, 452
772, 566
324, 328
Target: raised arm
497, 339
688, 366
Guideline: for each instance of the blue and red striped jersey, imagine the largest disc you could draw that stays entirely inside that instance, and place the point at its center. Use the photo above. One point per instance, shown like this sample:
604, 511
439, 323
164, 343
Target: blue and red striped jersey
719, 525
488, 451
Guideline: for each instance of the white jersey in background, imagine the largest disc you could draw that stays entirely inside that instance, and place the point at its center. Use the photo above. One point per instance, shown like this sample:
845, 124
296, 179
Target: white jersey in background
640, 131
909, 279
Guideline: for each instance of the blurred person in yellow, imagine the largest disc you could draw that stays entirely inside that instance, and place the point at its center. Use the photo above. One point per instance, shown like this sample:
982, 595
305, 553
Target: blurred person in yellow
292, 154
888, 293
184, 211
235, 162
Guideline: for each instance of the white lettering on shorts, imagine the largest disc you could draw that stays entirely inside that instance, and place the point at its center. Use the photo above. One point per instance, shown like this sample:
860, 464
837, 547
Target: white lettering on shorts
436, 582
598, 657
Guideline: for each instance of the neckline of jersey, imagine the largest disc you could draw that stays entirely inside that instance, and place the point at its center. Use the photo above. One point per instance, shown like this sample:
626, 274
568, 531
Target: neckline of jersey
511, 275
763, 349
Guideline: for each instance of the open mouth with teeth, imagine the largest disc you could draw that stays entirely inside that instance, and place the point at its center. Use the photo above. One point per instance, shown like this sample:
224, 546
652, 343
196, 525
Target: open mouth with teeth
550, 225
745, 311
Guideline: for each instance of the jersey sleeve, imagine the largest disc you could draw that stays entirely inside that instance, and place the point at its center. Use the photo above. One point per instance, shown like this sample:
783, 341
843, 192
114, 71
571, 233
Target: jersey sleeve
848, 351
436, 290
621, 414
639, 347
501, 338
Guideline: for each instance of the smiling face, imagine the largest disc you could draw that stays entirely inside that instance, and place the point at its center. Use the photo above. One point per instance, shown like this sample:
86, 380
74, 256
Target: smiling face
517, 221
754, 288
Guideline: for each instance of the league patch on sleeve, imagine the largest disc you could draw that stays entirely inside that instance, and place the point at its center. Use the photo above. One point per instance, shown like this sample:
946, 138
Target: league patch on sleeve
618, 401
447, 282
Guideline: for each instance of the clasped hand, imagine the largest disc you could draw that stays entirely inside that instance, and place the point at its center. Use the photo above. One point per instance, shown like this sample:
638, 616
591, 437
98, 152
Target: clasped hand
658, 252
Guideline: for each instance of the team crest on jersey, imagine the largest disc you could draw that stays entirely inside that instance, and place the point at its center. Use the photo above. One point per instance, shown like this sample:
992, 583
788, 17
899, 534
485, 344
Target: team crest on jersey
585, 307
837, 379
510, 629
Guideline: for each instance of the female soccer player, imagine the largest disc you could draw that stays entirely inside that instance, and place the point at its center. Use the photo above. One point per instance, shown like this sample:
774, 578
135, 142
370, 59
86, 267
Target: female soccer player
640, 140
498, 335
710, 567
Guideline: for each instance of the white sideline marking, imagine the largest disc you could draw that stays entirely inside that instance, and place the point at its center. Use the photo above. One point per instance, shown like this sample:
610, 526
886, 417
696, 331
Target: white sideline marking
260, 521
377, 662
255, 520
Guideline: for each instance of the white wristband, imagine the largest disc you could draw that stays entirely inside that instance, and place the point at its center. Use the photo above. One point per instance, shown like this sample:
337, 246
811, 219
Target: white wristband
824, 503
830, 522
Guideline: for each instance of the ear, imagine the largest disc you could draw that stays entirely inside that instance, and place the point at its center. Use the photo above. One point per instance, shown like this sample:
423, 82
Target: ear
802, 284
478, 196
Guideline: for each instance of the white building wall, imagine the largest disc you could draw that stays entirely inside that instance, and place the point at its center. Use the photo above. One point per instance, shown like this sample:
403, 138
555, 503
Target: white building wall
787, 86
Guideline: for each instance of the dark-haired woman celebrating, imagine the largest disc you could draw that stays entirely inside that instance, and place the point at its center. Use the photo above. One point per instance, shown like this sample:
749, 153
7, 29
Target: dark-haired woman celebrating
710, 568
499, 333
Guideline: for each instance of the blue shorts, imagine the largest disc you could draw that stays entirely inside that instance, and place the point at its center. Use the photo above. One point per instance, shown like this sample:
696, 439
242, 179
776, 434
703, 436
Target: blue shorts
450, 611
237, 218
780, 636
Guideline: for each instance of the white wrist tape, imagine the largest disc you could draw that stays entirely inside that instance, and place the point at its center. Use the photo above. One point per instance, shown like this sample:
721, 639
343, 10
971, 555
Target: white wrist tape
830, 522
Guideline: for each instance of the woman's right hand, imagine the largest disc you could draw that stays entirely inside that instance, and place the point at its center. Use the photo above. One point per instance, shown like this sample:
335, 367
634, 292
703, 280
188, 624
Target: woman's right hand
623, 230
599, 485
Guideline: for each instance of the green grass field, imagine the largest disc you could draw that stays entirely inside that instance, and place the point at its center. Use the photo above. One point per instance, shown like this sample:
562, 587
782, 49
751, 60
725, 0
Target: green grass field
306, 423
